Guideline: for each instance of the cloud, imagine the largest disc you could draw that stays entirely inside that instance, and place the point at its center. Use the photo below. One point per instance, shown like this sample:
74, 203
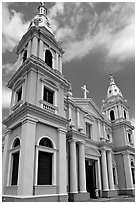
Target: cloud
13, 27
6, 97
83, 31
7, 72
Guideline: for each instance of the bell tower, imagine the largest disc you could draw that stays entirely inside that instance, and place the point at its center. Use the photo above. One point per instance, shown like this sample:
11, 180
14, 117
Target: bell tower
36, 126
115, 108
39, 78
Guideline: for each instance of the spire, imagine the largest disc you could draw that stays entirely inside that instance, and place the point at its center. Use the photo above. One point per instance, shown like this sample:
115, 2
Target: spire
41, 19
111, 79
42, 8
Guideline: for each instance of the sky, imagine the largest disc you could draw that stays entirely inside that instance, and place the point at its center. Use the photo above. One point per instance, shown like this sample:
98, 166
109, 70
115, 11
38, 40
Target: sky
98, 39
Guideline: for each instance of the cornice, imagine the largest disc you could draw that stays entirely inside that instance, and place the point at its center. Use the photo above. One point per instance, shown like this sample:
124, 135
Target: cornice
122, 123
35, 111
123, 148
34, 31
37, 64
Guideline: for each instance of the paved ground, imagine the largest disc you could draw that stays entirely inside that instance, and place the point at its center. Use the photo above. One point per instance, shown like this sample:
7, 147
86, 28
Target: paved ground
118, 199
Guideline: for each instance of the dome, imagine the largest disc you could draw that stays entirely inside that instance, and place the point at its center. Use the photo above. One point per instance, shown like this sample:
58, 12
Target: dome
113, 90
41, 19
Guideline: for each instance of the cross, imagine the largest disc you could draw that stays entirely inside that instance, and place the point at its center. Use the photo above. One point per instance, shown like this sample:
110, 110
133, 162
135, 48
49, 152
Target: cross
85, 91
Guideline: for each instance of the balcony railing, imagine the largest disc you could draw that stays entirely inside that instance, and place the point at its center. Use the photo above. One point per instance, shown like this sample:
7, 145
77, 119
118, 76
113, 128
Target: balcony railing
49, 107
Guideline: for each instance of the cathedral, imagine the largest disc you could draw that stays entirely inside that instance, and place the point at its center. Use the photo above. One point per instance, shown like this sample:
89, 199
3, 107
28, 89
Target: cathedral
57, 147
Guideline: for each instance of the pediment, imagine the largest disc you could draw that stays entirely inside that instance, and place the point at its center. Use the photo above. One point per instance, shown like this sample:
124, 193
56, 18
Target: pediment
92, 151
89, 106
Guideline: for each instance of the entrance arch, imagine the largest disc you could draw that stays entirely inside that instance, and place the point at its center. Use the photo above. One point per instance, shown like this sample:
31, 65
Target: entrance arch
93, 177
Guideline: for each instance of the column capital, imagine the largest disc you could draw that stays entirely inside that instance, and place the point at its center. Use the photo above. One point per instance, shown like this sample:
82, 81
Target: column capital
81, 142
60, 129
29, 119
125, 153
72, 140
103, 149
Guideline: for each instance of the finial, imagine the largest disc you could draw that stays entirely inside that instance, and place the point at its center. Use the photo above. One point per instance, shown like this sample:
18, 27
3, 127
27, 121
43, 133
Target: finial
42, 3
42, 8
111, 79
85, 91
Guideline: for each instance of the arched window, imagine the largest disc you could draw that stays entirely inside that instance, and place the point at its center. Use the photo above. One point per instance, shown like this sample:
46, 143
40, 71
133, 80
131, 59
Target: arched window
46, 142
25, 56
125, 116
112, 115
45, 163
15, 163
133, 171
16, 142
48, 58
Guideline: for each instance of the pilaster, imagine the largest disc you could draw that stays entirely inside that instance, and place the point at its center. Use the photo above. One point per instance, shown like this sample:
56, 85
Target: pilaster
127, 168
73, 167
5, 159
110, 172
26, 162
104, 170
35, 46
62, 171
82, 173
41, 52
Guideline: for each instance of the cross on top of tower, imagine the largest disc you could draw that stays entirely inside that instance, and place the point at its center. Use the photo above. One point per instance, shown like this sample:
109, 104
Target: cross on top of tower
85, 91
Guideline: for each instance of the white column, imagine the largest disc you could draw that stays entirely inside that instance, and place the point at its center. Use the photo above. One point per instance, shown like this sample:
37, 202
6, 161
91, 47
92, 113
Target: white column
35, 46
70, 114
82, 173
78, 119
57, 67
127, 168
99, 129
120, 111
29, 48
26, 159
62, 177
5, 160
104, 170
104, 131
60, 64
12, 100
99, 174
110, 172
73, 167
41, 51
116, 112
24, 91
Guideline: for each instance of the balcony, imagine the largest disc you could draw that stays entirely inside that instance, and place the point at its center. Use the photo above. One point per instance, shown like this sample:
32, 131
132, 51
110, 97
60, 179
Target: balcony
49, 107
17, 105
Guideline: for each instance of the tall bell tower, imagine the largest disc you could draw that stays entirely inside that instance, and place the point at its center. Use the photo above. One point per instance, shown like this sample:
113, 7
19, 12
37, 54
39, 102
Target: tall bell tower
36, 127
115, 109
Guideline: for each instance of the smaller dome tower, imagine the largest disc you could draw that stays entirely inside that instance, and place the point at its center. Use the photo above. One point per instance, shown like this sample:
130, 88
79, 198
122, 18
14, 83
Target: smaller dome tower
115, 106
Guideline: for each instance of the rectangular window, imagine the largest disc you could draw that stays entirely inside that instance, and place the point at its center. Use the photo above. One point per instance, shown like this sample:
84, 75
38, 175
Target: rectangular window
133, 175
19, 94
129, 137
48, 95
114, 175
15, 166
88, 130
44, 168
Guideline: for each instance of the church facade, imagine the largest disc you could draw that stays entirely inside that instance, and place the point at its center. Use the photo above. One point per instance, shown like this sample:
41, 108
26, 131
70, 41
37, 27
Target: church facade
57, 147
